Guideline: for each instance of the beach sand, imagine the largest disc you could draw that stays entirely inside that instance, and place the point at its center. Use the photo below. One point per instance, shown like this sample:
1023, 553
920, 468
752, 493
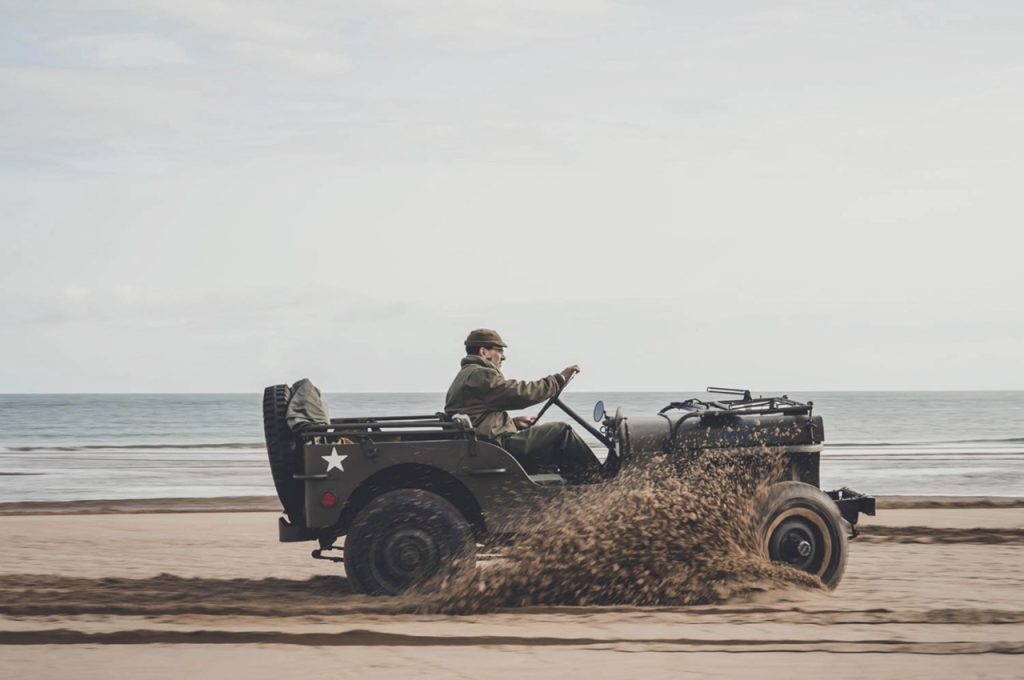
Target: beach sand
183, 588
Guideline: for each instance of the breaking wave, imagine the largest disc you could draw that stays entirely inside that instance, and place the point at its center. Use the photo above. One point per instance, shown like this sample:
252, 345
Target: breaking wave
937, 442
134, 447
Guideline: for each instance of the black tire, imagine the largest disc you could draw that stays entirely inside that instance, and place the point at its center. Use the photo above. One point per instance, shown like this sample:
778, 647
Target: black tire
284, 453
801, 526
404, 539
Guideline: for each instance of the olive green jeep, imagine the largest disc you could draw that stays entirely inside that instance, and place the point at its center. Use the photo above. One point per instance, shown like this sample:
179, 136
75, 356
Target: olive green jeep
414, 495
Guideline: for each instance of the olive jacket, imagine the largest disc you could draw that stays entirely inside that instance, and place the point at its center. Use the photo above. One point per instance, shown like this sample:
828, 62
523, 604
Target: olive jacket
481, 392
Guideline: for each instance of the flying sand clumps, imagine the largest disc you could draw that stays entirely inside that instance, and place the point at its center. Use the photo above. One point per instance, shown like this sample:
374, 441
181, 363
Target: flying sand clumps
658, 535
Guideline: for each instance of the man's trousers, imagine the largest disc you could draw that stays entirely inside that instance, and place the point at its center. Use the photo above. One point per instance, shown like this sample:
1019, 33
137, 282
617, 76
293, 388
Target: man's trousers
551, 445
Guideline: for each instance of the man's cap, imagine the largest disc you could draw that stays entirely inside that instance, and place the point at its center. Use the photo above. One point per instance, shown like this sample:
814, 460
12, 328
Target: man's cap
484, 337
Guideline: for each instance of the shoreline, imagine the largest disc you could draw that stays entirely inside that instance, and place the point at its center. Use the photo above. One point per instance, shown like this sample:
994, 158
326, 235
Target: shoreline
133, 506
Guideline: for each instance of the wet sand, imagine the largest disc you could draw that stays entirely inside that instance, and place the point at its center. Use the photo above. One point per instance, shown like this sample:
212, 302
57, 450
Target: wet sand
167, 589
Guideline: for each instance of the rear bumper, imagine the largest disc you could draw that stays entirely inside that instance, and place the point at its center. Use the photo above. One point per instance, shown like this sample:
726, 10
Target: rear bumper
851, 504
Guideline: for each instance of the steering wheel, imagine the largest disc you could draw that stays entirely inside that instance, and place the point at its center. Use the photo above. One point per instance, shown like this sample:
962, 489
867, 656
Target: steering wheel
553, 399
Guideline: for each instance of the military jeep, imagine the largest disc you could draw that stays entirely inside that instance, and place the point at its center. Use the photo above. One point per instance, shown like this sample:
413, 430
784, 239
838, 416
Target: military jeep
414, 495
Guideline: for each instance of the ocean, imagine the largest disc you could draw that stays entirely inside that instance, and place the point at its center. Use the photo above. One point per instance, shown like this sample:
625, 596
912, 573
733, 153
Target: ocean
56, 447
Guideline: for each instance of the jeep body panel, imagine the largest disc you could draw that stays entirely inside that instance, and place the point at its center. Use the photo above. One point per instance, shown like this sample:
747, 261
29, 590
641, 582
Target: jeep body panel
498, 483
796, 436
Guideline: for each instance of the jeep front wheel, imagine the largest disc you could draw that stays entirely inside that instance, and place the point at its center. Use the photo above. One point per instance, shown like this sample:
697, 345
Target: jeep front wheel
403, 539
801, 527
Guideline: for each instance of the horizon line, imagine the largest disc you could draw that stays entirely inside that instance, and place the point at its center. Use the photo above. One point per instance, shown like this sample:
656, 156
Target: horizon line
441, 391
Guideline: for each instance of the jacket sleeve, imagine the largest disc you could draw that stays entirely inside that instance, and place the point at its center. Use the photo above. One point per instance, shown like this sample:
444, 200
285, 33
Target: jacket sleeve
500, 394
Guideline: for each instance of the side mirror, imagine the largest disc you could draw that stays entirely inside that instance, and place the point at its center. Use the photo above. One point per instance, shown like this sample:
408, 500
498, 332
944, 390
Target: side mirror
599, 412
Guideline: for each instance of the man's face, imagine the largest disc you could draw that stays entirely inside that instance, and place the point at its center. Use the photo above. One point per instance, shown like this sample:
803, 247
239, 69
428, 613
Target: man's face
496, 355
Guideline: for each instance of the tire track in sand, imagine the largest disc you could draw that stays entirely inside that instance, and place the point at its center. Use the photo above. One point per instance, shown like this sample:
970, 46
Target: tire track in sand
369, 638
329, 596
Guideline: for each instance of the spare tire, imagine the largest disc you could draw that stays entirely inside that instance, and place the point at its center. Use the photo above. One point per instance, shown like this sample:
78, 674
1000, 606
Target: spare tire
284, 452
801, 527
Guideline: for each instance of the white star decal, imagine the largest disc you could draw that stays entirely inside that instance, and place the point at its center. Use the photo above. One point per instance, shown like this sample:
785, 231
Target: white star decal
334, 460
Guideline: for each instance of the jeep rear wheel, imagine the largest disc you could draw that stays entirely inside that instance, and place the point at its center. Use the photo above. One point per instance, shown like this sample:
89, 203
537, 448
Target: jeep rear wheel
404, 539
801, 527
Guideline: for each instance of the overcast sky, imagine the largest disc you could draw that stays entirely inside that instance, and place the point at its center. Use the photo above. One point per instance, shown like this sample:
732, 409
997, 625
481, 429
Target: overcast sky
217, 195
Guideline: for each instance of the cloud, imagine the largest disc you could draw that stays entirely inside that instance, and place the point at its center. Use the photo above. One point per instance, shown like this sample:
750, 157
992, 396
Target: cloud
813, 15
299, 37
71, 119
165, 81
486, 25
251, 307
128, 50
45, 92
388, 147
77, 293
316, 37
315, 26
244, 21
309, 61
234, 339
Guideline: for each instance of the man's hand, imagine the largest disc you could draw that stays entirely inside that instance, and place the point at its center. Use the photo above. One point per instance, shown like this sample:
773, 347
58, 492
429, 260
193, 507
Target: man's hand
523, 422
569, 372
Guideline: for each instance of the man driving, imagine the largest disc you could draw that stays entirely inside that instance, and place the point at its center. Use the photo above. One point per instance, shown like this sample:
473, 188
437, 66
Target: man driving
483, 393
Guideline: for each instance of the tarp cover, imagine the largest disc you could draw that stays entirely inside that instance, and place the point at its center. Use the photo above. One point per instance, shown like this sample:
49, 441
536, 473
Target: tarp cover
306, 407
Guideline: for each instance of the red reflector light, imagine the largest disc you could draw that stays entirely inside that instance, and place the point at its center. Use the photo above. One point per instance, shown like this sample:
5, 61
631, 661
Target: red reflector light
328, 499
